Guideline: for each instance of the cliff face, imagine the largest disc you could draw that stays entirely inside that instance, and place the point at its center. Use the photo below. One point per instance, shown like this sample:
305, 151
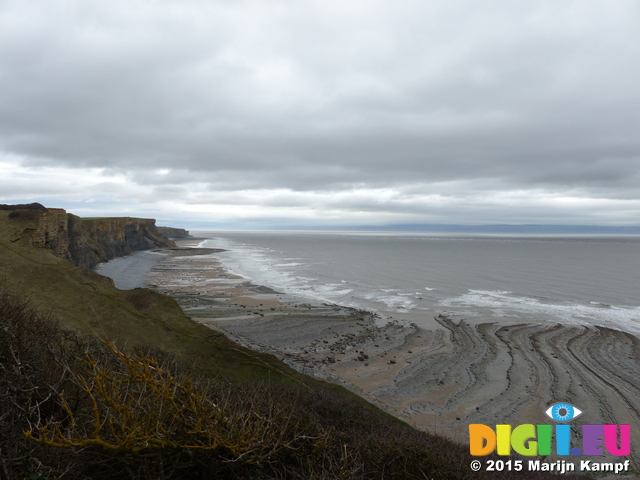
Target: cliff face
96, 240
171, 232
86, 241
52, 232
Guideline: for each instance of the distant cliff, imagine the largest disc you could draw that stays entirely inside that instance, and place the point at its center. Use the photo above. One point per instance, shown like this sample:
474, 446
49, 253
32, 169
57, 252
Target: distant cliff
85, 241
171, 232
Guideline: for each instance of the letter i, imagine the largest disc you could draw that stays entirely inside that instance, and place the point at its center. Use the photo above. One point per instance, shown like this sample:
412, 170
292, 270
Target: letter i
544, 439
563, 439
503, 434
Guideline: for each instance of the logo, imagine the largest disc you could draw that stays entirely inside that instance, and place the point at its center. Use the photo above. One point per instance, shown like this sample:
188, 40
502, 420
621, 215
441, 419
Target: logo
563, 412
532, 440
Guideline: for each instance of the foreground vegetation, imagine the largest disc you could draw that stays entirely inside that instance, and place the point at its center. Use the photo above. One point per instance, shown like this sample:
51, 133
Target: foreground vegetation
71, 408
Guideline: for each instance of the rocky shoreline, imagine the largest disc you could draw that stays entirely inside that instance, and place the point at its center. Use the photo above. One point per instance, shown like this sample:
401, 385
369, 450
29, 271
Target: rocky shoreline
441, 379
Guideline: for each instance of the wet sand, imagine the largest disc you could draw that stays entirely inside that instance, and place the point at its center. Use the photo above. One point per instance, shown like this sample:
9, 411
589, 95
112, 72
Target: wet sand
441, 379
444, 379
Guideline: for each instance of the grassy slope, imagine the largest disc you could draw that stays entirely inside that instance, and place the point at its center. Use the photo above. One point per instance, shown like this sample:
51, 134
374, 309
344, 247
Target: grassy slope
89, 304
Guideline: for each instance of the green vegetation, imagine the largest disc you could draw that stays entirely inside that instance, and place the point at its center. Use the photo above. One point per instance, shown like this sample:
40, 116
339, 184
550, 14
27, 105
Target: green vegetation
89, 304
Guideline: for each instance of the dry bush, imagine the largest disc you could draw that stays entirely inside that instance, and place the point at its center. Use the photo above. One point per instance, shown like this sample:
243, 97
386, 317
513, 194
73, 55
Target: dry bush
95, 410
31, 374
139, 404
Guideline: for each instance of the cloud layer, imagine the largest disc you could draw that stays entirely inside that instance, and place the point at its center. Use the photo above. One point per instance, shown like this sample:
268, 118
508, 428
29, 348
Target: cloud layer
324, 112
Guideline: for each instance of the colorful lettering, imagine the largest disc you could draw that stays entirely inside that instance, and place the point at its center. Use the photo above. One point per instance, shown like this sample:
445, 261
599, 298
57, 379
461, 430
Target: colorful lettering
611, 440
482, 440
531, 440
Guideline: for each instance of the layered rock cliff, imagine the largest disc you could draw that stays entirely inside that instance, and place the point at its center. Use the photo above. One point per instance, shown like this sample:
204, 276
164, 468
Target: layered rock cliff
85, 241
95, 240
171, 232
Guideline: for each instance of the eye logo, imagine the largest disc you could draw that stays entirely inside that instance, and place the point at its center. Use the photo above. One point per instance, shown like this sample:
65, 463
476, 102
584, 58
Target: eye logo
563, 412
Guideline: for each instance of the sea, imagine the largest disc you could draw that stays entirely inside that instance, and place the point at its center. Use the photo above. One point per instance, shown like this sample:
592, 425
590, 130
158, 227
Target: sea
412, 277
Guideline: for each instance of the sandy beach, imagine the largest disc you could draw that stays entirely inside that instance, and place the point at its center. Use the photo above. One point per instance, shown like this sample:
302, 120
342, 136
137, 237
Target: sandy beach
439, 379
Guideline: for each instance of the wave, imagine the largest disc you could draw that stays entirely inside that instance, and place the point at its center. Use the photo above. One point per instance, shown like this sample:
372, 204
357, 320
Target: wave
314, 271
505, 303
397, 303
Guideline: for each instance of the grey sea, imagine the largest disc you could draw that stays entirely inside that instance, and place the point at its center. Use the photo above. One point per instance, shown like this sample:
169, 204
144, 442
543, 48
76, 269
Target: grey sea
592, 280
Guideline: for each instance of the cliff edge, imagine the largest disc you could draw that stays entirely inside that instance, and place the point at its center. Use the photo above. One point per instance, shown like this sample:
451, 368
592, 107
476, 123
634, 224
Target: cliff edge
172, 232
84, 241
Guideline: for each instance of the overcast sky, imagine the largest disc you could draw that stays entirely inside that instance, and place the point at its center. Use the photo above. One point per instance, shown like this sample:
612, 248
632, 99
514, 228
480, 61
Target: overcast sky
325, 112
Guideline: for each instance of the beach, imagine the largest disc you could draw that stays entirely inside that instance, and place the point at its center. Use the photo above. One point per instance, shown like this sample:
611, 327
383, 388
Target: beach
438, 379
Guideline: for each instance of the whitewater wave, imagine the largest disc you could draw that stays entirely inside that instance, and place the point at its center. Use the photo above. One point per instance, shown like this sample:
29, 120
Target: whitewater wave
505, 303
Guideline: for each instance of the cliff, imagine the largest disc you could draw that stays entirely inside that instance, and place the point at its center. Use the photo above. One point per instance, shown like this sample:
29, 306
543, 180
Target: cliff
95, 240
84, 241
171, 232
90, 305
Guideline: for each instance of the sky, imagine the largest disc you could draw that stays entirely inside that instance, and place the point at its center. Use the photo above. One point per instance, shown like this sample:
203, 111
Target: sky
267, 113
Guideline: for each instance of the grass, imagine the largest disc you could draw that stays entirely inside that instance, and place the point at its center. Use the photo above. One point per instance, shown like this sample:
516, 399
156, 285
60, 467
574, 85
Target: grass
90, 305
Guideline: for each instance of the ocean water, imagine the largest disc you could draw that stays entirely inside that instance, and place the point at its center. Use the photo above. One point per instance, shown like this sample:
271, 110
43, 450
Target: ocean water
412, 277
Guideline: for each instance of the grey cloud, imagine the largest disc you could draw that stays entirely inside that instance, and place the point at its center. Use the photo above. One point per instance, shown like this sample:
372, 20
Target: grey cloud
324, 97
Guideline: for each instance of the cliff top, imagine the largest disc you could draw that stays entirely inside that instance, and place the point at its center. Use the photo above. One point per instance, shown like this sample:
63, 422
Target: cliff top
84, 241
24, 206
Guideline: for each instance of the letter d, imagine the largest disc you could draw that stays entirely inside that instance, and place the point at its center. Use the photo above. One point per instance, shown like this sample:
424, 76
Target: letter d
482, 439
